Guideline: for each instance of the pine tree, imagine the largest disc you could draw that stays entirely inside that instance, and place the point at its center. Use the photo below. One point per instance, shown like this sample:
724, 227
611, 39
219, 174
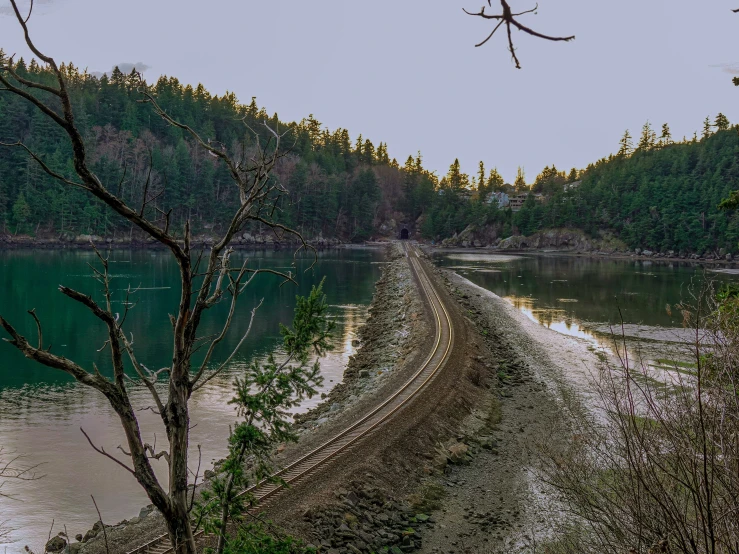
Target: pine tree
495, 180
520, 182
626, 145
454, 179
706, 128
481, 178
368, 152
648, 138
665, 139
722, 122
313, 127
572, 177
419, 162
21, 212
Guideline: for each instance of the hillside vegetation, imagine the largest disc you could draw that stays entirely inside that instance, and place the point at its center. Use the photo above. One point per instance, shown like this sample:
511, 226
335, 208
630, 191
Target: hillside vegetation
336, 189
660, 195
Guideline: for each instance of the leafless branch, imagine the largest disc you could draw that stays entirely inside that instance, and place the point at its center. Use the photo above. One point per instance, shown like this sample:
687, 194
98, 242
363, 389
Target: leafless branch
102, 451
195, 384
38, 328
509, 19
200, 289
195, 482
100, 519
43, 165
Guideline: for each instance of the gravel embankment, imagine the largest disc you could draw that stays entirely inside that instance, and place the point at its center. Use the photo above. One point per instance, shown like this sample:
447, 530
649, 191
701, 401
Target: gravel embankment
495, 502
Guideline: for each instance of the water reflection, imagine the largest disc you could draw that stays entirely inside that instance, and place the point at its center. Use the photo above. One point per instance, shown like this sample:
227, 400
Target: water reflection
556, 319
593, 298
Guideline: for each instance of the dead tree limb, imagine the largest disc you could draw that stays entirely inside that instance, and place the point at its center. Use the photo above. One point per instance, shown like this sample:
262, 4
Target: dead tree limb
509, 19
205, 279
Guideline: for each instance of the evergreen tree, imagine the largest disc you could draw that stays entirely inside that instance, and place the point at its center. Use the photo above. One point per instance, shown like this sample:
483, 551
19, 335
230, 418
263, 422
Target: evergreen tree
721, 123
455, 179
706, 128
481, 184
520, 182
626, 145
495, 181
665, 139
21, 212
648, 138
368, 152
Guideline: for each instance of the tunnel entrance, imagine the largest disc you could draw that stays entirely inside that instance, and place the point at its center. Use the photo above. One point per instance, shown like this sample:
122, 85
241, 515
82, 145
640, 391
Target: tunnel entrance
404, 234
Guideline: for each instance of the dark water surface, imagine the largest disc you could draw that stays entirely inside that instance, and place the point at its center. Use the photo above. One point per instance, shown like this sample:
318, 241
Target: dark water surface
42, 410
584, 296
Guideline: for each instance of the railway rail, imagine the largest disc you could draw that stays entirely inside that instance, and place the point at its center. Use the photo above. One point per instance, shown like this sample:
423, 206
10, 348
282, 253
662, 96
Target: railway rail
321, 456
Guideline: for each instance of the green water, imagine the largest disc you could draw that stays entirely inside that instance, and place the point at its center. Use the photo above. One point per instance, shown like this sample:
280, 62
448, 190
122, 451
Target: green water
41, 409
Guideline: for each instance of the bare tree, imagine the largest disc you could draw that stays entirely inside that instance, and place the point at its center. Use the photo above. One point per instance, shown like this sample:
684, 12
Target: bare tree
661, 472
12, 468
509, 19
205, 280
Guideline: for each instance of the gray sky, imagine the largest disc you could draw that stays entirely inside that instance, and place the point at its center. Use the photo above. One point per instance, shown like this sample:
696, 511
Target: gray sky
406, 71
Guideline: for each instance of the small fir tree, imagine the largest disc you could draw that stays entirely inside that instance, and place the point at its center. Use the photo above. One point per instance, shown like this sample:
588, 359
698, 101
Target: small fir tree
626, 145
721, 123
495, 180
263, 397
665, 139
520, 182
648, 138
21, 212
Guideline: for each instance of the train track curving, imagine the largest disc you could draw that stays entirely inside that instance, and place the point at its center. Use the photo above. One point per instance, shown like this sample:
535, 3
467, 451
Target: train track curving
321, 456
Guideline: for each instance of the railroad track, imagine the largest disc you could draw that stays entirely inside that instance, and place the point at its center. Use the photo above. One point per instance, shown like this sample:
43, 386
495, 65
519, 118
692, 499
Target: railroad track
318, 458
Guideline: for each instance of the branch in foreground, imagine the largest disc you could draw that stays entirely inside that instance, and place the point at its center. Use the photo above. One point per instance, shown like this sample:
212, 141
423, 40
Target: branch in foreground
509, 19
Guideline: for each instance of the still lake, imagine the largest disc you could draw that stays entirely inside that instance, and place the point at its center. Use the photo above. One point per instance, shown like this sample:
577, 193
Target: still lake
586, 297
42, 410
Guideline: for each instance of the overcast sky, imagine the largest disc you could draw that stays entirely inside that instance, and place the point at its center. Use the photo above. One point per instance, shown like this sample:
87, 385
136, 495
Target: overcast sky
406, 71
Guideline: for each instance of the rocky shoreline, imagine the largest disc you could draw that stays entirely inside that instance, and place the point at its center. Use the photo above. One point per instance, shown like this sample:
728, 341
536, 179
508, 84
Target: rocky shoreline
393, 330
76, 242
576, 243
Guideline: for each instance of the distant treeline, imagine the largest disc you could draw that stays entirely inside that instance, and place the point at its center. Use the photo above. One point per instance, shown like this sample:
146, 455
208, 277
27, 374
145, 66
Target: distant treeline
338, 187
659, 195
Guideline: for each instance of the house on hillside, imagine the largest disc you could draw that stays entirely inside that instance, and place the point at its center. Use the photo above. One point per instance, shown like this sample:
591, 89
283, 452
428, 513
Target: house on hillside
572, 186
500, 198
517, 201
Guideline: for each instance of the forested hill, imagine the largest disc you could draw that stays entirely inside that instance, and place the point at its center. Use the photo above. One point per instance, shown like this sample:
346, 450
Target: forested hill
339, 187
660, 196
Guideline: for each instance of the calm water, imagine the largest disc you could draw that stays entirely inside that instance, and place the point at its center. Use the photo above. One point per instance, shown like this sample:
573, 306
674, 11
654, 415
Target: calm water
42, 410
582, 297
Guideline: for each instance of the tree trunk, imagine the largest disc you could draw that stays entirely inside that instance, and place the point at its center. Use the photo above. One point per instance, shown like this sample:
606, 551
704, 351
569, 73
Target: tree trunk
180, 529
